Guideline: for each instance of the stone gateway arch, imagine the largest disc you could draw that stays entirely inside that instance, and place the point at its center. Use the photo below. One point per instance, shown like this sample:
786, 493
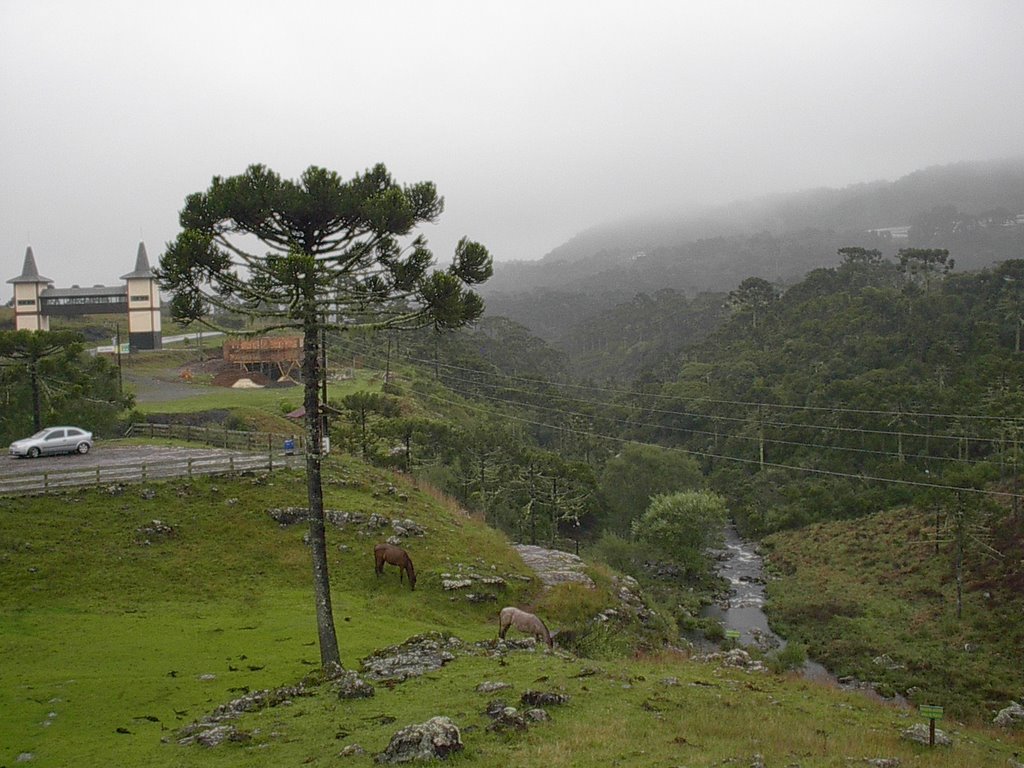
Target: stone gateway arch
36, 301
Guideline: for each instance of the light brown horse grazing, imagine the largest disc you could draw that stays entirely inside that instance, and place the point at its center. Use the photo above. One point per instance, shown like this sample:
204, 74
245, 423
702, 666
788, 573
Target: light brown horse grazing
389, 553
524, 622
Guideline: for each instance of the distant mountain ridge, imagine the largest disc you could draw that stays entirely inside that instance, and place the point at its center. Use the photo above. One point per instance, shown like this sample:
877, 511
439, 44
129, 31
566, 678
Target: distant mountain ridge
606, 257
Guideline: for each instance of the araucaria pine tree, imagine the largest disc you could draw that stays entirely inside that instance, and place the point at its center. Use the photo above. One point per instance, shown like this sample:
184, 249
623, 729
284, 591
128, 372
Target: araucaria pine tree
315, 253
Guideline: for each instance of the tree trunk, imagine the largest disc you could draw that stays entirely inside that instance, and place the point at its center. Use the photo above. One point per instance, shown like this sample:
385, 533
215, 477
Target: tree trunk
329, 654
37, 416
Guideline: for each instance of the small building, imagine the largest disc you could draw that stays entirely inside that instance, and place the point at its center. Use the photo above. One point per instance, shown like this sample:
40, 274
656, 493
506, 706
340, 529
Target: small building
36, 301
901, 232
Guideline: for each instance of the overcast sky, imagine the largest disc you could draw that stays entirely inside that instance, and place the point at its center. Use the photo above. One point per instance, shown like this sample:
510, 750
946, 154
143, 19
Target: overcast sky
535, 119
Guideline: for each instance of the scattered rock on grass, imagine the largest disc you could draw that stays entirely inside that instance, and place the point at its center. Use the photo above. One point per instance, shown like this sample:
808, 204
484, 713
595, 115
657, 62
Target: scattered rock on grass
350, 686
1011, 715
216, 735
737, 658
554, 566
407, 527
416, 656
542, 699
289, 515
489, 686
154, 531
495, 706
211, 730
508, 719
919, 732
435, 739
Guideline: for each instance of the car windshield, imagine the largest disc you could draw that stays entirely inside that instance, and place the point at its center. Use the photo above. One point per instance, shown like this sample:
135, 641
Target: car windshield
40, 434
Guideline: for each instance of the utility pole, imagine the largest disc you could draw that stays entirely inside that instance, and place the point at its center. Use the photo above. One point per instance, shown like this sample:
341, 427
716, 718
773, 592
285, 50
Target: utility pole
760, 436
117, 342
437, 336
323, 383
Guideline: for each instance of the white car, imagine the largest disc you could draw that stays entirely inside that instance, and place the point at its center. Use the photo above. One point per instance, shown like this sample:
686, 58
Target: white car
53, 440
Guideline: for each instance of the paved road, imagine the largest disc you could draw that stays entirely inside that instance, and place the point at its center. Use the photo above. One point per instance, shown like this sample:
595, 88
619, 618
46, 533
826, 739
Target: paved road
199, 336
106, 457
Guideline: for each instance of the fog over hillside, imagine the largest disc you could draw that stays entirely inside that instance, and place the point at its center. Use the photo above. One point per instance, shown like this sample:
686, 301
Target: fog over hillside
687, 250
536, 120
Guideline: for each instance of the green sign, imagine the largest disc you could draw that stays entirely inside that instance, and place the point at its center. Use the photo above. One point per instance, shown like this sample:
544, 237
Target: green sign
732, 634
931, 711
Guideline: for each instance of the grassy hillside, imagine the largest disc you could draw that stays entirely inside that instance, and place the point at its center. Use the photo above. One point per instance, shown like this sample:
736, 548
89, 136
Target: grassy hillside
110, 645
873, 598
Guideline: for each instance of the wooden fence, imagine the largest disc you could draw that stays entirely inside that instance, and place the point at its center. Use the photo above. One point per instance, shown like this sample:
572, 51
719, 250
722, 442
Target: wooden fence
218, 437
268, 454
46, 482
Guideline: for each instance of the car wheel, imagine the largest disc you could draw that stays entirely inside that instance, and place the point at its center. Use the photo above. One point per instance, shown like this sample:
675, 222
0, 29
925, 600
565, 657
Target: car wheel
33, 453
83, 448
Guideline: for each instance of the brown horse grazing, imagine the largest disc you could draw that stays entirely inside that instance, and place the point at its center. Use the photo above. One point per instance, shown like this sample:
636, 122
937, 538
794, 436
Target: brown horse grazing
524, 622
389, 553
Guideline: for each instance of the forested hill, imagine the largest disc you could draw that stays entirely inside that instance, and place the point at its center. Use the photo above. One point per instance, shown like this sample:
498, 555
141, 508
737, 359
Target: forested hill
971, 209
864, 370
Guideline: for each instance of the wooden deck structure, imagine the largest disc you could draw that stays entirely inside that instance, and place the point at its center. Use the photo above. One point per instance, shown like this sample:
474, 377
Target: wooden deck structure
266, 353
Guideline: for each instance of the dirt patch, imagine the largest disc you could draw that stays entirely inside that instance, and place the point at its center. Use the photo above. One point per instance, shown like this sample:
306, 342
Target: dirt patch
212, 365
231, 377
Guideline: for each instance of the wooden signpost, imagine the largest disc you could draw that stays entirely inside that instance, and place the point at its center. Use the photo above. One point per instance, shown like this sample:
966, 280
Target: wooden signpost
933, 713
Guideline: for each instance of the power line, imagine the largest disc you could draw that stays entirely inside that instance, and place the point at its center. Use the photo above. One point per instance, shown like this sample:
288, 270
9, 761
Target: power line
767, 440
745, 419
958, 438
739, 459
734, 436
746, 403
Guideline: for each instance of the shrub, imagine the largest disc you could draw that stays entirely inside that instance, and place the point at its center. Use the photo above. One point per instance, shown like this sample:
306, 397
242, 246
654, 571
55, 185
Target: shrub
793, 656
621, 554
573, 604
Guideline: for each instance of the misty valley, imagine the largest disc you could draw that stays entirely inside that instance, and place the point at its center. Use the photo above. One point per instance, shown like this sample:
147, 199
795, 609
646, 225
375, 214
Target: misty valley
830, 382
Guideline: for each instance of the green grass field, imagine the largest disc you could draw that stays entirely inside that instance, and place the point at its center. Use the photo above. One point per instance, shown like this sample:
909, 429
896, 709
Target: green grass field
110, 645
875, 588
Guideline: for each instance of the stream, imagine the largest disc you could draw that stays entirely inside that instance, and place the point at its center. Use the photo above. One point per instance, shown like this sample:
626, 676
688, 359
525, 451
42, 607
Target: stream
743, 611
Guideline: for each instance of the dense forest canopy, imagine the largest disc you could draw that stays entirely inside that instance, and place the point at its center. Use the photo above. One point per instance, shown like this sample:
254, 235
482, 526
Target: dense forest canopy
970, 209
872, 383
